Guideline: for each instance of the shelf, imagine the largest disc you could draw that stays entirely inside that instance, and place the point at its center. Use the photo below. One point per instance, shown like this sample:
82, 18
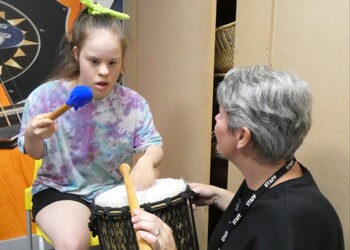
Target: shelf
219, 74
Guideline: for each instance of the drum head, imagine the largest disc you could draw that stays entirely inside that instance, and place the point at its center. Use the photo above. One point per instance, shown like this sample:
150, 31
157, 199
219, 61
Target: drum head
161, 189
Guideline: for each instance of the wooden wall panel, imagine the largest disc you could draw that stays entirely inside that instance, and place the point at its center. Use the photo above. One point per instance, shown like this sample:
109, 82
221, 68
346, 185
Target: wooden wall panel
16, 174
312, 39
253, 31
172, 46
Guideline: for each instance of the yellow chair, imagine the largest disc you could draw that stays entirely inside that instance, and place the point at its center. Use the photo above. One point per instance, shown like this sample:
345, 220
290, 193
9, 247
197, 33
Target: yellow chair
28, 206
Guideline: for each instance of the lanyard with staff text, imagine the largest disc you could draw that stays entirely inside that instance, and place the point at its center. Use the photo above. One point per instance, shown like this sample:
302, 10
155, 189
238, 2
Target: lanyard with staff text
242, 211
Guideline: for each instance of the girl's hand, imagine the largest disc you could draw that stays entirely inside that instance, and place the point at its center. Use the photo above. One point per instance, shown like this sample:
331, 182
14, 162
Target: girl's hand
40, 127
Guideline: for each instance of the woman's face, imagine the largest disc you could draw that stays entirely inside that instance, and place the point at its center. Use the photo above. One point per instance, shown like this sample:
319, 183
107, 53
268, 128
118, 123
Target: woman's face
225, 140
100, 61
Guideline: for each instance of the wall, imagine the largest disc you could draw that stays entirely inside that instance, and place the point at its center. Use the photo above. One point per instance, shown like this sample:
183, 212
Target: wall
16, 169
16, 174
310, 38
170, 62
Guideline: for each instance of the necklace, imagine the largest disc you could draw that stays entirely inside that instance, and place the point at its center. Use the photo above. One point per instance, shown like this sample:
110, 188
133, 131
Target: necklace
241, 208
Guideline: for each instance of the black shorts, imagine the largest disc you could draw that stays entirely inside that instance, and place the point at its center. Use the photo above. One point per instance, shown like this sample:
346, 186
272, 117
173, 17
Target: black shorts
50, 195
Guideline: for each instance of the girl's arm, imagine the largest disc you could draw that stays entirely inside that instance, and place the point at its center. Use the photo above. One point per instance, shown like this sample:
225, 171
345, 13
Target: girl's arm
146, 170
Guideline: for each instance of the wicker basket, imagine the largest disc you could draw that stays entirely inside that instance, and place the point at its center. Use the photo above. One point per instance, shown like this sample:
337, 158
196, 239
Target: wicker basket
224, 47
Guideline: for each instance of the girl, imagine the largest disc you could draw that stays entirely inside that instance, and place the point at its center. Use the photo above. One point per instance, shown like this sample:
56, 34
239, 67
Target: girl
82, 150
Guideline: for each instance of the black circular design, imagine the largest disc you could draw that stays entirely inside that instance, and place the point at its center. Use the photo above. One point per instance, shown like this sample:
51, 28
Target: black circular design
19, 42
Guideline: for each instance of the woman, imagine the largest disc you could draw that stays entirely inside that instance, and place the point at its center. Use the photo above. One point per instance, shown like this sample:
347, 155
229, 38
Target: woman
264, 117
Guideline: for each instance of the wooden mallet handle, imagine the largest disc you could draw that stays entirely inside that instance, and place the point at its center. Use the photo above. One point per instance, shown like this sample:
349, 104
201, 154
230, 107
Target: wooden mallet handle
133, 203
58, 112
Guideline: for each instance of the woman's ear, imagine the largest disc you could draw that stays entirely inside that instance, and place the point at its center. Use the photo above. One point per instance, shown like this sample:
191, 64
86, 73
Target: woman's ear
75, 51
244, 137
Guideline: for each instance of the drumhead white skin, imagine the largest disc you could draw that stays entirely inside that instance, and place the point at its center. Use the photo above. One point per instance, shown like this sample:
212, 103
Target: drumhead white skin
161, 189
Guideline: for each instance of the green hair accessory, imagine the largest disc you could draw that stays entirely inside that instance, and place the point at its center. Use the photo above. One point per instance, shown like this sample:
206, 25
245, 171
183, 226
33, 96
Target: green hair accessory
98, 9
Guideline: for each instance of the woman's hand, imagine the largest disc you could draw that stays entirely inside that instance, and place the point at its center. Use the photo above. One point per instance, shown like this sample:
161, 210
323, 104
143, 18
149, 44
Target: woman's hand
209, 195
153, 230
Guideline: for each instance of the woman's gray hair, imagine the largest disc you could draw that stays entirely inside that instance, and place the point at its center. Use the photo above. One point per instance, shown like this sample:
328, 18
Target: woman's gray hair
274, 105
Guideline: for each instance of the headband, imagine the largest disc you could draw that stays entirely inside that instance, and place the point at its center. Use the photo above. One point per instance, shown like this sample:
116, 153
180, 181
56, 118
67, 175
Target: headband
98, 9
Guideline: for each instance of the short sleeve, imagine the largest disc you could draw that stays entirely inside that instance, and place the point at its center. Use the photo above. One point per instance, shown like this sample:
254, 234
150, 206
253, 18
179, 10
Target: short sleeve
146, 133
26, 117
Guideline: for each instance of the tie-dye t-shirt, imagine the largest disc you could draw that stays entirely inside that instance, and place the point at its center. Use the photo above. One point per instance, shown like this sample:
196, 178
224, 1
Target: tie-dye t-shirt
84, 154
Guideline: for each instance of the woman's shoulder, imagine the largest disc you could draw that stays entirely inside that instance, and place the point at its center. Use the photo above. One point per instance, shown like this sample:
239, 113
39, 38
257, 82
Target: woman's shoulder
300, 198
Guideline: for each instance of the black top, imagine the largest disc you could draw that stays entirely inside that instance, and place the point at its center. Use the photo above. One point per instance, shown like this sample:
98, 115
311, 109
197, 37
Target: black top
293, 215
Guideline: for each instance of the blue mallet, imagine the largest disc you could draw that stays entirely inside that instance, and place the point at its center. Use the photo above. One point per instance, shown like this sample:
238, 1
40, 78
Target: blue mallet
80, 96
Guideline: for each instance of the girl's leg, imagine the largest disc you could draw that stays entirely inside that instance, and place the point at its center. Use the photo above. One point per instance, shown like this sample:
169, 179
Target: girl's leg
65, 222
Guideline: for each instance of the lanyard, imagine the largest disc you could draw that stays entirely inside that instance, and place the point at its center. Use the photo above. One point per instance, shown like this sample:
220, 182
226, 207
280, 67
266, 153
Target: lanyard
241, 209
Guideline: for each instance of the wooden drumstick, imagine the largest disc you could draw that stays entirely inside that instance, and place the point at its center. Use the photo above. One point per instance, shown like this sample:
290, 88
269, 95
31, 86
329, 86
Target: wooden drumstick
58, 112
133, 203
80, 96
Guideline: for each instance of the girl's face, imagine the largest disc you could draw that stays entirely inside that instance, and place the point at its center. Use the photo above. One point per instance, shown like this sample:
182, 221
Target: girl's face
100, 61
226, 142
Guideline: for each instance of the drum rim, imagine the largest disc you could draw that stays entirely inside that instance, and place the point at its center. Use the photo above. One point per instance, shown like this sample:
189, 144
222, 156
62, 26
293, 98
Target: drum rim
148, 206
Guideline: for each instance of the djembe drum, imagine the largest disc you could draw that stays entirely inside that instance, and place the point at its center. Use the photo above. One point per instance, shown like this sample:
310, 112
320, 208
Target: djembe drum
169, 199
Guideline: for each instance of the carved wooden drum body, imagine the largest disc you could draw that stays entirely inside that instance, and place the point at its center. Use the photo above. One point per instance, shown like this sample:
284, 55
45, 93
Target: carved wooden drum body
169, 199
